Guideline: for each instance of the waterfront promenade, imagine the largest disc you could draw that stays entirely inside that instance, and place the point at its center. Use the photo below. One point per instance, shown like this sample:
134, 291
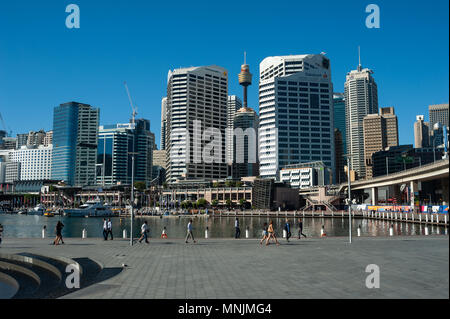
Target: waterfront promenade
410, 267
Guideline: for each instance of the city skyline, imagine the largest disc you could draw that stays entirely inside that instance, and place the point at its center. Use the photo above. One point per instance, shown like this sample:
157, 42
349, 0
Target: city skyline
50, 78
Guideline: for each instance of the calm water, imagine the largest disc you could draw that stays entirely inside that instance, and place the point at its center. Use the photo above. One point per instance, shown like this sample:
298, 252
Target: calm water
24, 226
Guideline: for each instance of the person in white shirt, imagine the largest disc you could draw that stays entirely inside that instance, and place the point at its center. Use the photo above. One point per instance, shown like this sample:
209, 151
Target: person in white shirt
105, 229
144, 231
109, 229
189, 232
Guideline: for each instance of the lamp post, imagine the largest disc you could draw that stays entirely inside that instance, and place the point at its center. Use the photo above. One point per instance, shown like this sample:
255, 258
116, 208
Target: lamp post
348, 156
132, 196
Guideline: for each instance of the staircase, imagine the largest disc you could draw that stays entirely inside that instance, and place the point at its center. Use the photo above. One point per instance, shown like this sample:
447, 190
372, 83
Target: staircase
31, 276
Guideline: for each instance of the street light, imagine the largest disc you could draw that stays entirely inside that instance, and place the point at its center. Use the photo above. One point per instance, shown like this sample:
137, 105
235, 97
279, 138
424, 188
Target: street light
348, 156
132, 195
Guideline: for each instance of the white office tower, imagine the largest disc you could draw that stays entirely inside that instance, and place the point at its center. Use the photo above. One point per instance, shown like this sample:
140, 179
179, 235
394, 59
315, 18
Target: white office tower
296, 112
196, 122
361, 99
35, 162
234, 103
163, 123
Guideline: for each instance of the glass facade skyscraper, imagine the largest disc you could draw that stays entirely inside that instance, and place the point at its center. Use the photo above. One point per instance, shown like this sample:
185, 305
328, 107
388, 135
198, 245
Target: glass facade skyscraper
75, 127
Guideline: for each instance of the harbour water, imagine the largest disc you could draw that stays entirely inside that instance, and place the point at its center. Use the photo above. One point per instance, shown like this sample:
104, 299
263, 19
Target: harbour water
30, 226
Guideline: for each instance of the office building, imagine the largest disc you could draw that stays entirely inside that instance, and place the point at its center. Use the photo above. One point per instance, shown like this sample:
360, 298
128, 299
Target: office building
380, 131
361, 99
144, 141
9, 143
75, 134
421, 132
163, 123
113, 160
196, 94
22, 140
305, 175
438, 114
296, 112
339, 117
35, 162
234, 103
159, 165
340, 160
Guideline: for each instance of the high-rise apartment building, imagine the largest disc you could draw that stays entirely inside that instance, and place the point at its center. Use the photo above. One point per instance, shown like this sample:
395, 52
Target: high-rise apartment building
196, 94
361, 99
163, 123
35, 138
380, 131
438, 114
75, 135
296, 112
48, 138
234, 103
421, 132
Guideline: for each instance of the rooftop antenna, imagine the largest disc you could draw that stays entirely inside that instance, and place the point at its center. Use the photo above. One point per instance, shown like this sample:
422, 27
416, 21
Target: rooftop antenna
359, 59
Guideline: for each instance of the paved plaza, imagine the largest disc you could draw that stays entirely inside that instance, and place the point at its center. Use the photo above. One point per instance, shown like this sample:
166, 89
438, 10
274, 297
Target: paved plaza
410, 267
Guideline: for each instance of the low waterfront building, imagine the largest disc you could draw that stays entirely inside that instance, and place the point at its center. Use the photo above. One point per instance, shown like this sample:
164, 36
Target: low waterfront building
305, 175
35, 162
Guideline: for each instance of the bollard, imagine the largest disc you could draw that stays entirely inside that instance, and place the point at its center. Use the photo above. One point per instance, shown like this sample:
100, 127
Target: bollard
420, 218
322, 214
84, 233
406, 216
446, 231
426, 230
426, 218
383, 215
396, 216
359, 231
432, 218
391, 230
342, 213
445, 219
437, 219
43, 231
412, 216
206, 233
124, 234
247, 233
284, 233
401, 216
392, 216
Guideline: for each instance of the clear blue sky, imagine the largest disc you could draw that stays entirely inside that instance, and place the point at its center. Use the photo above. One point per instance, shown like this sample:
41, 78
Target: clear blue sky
43, 64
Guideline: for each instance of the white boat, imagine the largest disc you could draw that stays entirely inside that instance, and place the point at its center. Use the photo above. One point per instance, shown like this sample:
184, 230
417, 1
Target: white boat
39, 209
90, 209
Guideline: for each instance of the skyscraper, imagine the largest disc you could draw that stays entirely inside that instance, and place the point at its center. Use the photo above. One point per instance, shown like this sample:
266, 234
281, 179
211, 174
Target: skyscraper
296, 112
234, 103
421, 132
144, 141
361, 99
75, 130
438, 114
196, 94
340, 133
163, 123
380, 131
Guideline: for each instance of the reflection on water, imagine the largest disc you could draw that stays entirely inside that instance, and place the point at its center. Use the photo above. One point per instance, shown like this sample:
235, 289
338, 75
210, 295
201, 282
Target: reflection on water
23, 226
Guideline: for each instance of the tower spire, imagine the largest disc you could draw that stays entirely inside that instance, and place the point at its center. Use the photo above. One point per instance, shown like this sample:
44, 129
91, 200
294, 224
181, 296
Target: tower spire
359, 59
245, 57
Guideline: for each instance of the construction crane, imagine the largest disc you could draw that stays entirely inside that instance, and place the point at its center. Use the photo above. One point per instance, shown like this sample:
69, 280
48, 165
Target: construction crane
4, 125
134, 108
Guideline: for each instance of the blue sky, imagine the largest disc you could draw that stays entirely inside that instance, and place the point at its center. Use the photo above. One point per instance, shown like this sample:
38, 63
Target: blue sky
43, 64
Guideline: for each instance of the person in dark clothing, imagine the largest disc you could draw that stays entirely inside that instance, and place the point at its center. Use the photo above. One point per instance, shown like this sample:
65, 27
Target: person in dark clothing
287, 228
109, 229
1, 232
105, 229
300, 229
237, 233
58, 228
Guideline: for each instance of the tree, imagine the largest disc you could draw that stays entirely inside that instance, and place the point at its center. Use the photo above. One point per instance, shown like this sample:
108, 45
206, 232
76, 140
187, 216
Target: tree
140, 186
164, 185
229, 203
202, 202
215, 202
216, 184
238, 184
229, 183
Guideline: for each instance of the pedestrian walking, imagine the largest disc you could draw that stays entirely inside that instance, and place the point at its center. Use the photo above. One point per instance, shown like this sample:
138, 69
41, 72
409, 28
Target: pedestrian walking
164, 233
58, 230
189, 232
1, 232
300, 229
287, 228
271, 232
265, 234
144, 231
109, 229
105, 229
237, 233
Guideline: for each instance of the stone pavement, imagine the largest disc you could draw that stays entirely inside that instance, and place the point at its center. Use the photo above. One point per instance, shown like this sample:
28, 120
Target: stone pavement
410, 267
